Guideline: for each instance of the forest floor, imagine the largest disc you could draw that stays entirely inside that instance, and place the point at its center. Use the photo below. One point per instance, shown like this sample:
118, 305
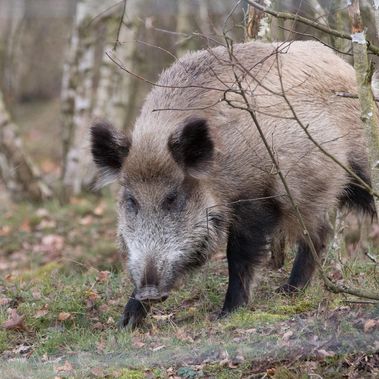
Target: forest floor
62, 290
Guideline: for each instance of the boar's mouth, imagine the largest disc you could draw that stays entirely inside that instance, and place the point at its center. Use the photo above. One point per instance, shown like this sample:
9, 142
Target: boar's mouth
150, 294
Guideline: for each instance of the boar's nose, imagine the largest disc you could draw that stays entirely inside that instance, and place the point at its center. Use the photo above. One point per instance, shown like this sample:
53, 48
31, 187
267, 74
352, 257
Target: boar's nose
150, 293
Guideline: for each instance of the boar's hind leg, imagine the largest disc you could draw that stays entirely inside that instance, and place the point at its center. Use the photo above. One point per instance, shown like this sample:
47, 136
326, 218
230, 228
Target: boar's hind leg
247, 244
134, 313
304, 264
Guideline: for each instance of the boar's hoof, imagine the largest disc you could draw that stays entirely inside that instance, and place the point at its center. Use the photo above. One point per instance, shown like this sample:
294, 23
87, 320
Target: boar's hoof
134, 314
287, 289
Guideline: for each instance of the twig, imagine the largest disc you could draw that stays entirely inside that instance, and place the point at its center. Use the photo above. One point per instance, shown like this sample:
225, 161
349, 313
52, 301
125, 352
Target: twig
352, 96
117, 42
316, 38
328, 283
290, 16
371, 257
359, 302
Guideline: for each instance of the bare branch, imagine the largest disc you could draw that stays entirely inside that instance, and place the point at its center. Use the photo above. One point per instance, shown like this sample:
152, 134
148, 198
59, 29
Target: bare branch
289, 16
328, 283
117, 42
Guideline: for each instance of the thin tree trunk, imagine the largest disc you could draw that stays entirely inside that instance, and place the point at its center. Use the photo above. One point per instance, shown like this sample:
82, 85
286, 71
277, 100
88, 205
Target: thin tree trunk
376, 15
184, 27
257, 22
20, 175
77, 94
117, 91
364, 71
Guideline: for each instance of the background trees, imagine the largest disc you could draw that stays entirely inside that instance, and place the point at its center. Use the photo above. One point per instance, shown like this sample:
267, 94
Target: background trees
60, 60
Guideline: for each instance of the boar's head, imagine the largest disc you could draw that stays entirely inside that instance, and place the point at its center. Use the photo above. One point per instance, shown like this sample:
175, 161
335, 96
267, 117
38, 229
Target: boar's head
168, 221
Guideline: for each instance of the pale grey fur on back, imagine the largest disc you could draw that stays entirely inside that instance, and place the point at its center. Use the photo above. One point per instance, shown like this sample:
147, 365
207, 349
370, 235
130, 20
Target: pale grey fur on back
311, 73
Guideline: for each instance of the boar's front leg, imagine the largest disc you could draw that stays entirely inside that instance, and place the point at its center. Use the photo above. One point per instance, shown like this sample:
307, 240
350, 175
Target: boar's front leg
247, 244
134, 313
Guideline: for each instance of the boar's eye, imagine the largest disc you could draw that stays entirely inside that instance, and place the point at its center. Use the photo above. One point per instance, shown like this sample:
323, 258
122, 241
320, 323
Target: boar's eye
131, 203
173, 201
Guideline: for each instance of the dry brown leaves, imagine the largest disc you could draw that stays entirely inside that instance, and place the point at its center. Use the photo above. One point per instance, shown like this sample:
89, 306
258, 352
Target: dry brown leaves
42, 312
370, 325
66, 367
15, 321
63, 316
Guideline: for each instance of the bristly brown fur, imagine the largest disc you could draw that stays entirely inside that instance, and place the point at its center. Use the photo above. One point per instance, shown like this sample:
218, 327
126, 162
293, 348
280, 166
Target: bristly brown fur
200, 172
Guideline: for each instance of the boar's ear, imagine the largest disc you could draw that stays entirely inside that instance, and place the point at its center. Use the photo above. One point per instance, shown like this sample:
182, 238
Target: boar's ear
109, 147
192, 147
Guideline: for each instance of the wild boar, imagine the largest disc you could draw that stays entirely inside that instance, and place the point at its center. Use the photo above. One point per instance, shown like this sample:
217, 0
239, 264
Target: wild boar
195, 174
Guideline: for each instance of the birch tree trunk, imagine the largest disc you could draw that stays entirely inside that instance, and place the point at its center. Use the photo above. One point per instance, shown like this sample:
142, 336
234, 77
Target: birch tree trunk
19, 174
77, 87
14, 14
376, 15
342, 22
364, 71
258, 25
93, 85
184, 27
117, 91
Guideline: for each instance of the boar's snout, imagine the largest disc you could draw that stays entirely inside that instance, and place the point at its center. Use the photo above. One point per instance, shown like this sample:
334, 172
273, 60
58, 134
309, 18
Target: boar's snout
150, 293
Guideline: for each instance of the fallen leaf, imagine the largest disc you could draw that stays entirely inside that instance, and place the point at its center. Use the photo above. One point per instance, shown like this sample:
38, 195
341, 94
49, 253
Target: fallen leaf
46, 224
5, 230
42, 212
98, 372
63, 316
86, 220
160, 347
271, 371
66, 367
52, 243
103, 308
163, 317
103, 276
99, 210
5, 300
136, 342
92, 295
25, 226
98, 325
100, 345
36, 294
42, 312
15, 321
183, 336
287, 336
324, 354
370, 325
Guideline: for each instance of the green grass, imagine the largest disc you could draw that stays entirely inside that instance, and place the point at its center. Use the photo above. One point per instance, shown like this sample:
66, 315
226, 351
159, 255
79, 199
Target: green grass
180, 336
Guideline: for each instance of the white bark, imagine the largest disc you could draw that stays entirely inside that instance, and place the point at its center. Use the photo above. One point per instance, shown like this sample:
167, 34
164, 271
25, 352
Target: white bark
82, 99
116, 92
369, 112
19, 174
375, 5
258, 23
